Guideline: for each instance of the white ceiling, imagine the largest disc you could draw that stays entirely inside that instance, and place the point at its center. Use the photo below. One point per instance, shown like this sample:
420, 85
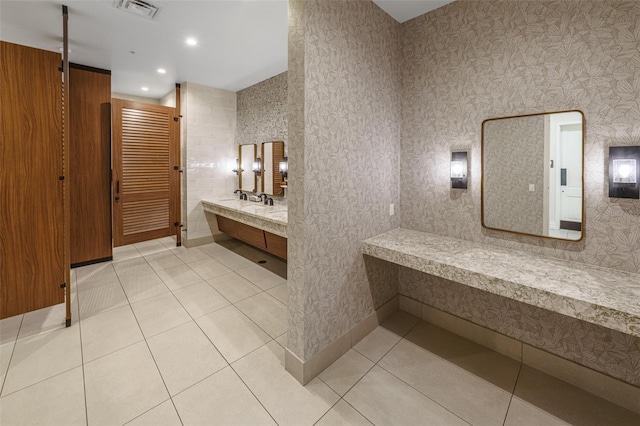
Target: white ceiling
240, 42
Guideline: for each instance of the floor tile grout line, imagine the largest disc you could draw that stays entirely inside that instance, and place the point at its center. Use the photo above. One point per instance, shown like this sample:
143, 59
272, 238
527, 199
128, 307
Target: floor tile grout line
368, 371
230, 304
176, 409
154, 361
377, 363
41, 381
80, 317
15, 343
256, 324
84, 380
251, 282
142, 414
199, 381
224, 357
422, 393
128, 303
251, 391
418, 390
353, 386
515, 384
330, 408
116, 350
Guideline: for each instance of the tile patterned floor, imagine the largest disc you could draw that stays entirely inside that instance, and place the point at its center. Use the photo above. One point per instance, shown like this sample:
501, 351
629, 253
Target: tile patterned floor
170, 336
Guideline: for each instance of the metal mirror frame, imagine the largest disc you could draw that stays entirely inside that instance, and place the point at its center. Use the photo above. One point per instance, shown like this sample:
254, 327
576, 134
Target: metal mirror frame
243, 170
264, 164
482, 180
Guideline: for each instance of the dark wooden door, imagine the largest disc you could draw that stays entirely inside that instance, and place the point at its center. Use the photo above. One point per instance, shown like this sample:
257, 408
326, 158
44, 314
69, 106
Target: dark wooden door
145, 187
32, 266
90, 165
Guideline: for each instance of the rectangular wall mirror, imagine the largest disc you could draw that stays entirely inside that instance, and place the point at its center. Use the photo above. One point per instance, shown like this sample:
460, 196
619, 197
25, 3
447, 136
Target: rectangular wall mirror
533, 174
246, 157
272, 155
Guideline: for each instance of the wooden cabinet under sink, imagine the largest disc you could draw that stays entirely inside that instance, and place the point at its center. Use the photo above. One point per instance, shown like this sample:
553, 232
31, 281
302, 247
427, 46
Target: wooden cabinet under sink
271, 243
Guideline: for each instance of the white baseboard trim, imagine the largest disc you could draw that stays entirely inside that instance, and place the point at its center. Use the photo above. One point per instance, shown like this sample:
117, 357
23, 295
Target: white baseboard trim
195, 242
606, 387
305, 371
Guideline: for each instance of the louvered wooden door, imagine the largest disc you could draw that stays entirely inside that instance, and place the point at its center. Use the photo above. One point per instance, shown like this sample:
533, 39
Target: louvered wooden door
145, 184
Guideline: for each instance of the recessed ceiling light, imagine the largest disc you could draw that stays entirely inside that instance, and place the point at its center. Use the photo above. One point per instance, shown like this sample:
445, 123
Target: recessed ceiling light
192, 41
162, 71
144, 89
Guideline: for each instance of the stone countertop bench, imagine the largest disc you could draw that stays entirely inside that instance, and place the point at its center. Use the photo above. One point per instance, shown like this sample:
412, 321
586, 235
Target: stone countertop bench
269, 218
602, 296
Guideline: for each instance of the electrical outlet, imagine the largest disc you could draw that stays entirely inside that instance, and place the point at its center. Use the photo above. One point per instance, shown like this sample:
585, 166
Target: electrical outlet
392, 209
532, 187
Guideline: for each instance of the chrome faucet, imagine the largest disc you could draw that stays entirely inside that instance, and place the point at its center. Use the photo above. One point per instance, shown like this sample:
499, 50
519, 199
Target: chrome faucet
263, 195
243, 196
268, 201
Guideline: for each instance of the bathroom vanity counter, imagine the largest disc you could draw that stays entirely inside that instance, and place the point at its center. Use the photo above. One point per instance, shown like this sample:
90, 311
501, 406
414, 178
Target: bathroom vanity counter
602, 296
272, 219
255, 223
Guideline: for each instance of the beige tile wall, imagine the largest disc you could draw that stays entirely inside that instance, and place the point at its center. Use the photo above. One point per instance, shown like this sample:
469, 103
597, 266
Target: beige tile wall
208, 151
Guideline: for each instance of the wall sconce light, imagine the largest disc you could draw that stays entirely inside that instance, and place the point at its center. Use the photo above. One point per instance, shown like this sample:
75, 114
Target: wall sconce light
459, 170
237, 169
284, 167
257, 167
624, 172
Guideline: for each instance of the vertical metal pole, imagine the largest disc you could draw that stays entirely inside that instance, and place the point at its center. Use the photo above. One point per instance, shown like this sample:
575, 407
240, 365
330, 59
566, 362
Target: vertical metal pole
65, 161
179, 175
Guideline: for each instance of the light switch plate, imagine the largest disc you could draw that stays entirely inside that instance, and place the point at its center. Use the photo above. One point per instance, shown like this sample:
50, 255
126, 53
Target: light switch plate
392, 209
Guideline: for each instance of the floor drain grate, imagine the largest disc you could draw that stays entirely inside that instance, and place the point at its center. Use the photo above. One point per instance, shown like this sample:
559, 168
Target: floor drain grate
262, 261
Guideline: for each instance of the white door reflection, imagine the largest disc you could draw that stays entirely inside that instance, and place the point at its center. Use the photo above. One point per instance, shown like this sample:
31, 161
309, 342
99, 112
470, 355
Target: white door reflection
563, 186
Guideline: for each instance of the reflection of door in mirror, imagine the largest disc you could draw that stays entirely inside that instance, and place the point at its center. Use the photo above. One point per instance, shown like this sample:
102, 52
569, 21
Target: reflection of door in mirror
563, 192
246, 177
532, 174
272, 155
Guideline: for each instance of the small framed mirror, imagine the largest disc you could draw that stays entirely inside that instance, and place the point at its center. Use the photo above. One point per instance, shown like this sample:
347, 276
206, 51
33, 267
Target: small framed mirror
246, 176
533, 174
272, 156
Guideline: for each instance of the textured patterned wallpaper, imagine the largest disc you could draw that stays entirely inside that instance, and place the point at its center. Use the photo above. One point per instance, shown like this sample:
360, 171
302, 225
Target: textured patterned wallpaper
344, 153
473, 60
262, 114
296, 221
262, 111
514, 152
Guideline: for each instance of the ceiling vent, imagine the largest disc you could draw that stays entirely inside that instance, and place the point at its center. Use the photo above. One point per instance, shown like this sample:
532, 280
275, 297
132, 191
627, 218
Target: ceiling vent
137, 7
